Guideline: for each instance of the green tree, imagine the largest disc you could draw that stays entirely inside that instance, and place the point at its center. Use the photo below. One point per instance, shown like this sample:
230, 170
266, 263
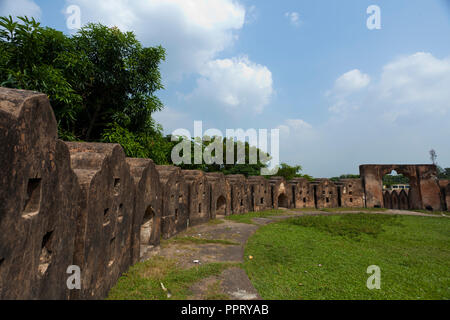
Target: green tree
390, 180
289, 172
443, 174
346, 176
101, 82
246, 168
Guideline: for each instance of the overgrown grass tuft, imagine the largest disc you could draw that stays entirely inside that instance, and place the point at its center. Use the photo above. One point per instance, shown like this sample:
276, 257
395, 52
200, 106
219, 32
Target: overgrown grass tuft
248, 217
143, 280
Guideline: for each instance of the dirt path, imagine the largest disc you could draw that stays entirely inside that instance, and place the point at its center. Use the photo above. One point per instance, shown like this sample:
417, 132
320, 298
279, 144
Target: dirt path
233, 283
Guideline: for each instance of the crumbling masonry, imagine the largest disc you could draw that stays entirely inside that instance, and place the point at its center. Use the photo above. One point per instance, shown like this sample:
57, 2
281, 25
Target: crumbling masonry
86, 204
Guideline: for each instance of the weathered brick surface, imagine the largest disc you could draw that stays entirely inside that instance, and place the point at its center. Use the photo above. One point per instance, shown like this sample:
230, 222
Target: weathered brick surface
238, 193
175, 207
403, 200
326, 193
38, 200
304, 193
259, 191
424, 192
280, 193
198, 197
351, 193
447, 197
147, 206
103, 243
220, 204
387, 201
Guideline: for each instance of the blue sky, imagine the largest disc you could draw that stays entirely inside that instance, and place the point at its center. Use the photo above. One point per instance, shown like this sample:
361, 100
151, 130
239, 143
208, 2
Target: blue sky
341, 94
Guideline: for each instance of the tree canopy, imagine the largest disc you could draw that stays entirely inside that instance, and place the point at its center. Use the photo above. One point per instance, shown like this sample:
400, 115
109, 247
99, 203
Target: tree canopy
289, 172
101, 82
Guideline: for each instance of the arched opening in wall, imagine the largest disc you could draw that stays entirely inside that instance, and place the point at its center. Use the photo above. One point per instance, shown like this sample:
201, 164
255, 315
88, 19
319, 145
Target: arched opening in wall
339, 198
394, 200
283, 201
253, 198
272, 197
403, 200
221, 206
315, 198
32, 199
443, 199
232, 199
293, 197
46, 254
147, 226
387, 200
394, 181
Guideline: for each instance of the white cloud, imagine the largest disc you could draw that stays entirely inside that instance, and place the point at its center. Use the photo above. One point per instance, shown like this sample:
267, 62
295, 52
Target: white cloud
192, 31
396, 118
351, 81
294, 18
20, 8
419, 81
236, 84
410, 86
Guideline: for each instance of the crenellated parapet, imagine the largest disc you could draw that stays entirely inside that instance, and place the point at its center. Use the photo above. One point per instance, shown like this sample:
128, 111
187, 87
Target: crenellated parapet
106, 219
146, 230
39, 200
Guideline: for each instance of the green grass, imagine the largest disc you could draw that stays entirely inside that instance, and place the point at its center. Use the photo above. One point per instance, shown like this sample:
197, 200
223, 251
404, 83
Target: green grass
354, 209
143, 280
248, 217
412, 252
193, 240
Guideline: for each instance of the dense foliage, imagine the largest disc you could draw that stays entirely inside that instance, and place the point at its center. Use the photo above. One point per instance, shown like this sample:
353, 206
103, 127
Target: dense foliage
390, 180
101, 82
346, 176
444, 174
211, 146
290, 172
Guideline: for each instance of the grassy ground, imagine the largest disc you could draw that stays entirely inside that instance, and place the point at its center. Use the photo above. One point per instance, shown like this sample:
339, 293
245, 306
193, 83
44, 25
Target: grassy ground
326, 257
247, 218
354, 209
143, 281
